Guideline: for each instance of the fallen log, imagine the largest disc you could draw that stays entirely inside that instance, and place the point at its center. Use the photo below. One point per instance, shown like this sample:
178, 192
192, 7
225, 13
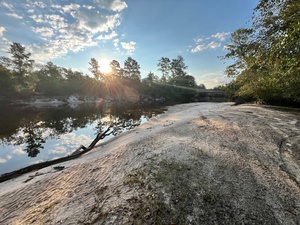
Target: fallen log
38, 166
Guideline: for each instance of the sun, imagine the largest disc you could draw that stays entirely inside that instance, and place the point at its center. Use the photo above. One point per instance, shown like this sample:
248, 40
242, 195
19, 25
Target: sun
104, 66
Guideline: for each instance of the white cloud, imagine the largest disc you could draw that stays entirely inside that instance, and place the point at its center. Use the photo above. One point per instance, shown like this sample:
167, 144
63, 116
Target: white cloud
18, 151
88, 6
37, 18
114, 5
56, 6
2, 29
107, 36
198, 40
69, 40
221, 36
56, 21
116, 43
66, 27
47, 51
70, 142
4, 160
9, 6
40, 4
213, 45
128, 46
94, 21
226, 47
14, 15
71, 7
199, 48
3, 45
44, 31
58, 150
202, 47
118, 5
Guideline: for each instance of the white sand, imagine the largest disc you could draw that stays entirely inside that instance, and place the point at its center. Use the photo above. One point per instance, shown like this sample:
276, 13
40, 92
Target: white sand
247, 156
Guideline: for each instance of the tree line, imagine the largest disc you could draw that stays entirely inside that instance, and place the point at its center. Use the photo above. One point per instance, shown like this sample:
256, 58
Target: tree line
20, 77
266, 56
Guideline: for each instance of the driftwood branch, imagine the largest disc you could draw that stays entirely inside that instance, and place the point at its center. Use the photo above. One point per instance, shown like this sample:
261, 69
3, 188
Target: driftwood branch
76, 154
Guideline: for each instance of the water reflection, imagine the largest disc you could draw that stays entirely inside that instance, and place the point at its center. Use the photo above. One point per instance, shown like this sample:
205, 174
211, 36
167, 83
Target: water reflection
33, 126
33, 138
44, 133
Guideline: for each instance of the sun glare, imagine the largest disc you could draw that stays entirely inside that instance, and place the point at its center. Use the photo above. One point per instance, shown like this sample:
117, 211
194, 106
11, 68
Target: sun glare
104, 66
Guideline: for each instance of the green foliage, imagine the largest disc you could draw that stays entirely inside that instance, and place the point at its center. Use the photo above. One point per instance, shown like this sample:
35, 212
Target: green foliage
164, 65
267, 56
50, 80
150, 79
95, 69
20, 60
132, 69
7, 83
178, 67
116, 70
121, 84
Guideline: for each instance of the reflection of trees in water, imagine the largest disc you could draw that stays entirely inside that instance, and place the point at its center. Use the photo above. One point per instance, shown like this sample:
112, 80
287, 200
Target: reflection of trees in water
124, 117
34, 139
117, 124
34, 126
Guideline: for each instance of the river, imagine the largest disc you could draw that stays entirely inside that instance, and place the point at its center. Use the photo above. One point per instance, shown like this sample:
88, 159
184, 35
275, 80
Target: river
31, 135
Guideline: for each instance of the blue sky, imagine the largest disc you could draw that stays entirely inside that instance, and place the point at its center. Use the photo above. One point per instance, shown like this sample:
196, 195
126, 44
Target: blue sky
71, 32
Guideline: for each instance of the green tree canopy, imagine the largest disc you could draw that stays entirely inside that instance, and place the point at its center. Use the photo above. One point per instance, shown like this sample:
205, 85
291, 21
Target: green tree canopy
178, 67
20, 61
164, 65
267, 56
116, 70
95, 69
132, 69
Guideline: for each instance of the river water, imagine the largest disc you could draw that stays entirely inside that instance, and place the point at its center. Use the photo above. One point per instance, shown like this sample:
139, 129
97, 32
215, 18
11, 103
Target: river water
31, 135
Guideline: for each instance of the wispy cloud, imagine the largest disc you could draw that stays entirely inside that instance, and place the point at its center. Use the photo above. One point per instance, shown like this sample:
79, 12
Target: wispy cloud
14, 15
70, 142
18, 151
93, 21
116, 43
107, 36
114, 5
2, 160
61, 28
58, 150
7, 5
213, 79
199, 48
44, 31
2, 29
213, 45
71, 7
3, 41
212, 42
128, 46
40, 4
221, 36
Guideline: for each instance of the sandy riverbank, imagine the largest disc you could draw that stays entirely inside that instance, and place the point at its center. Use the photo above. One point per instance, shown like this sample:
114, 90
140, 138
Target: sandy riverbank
200, 163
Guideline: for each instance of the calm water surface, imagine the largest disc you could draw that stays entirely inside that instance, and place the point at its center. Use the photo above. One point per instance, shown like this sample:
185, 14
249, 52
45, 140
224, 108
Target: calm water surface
30, 135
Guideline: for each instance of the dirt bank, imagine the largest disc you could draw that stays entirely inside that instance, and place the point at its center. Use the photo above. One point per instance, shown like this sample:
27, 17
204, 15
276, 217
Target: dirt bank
201, 163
